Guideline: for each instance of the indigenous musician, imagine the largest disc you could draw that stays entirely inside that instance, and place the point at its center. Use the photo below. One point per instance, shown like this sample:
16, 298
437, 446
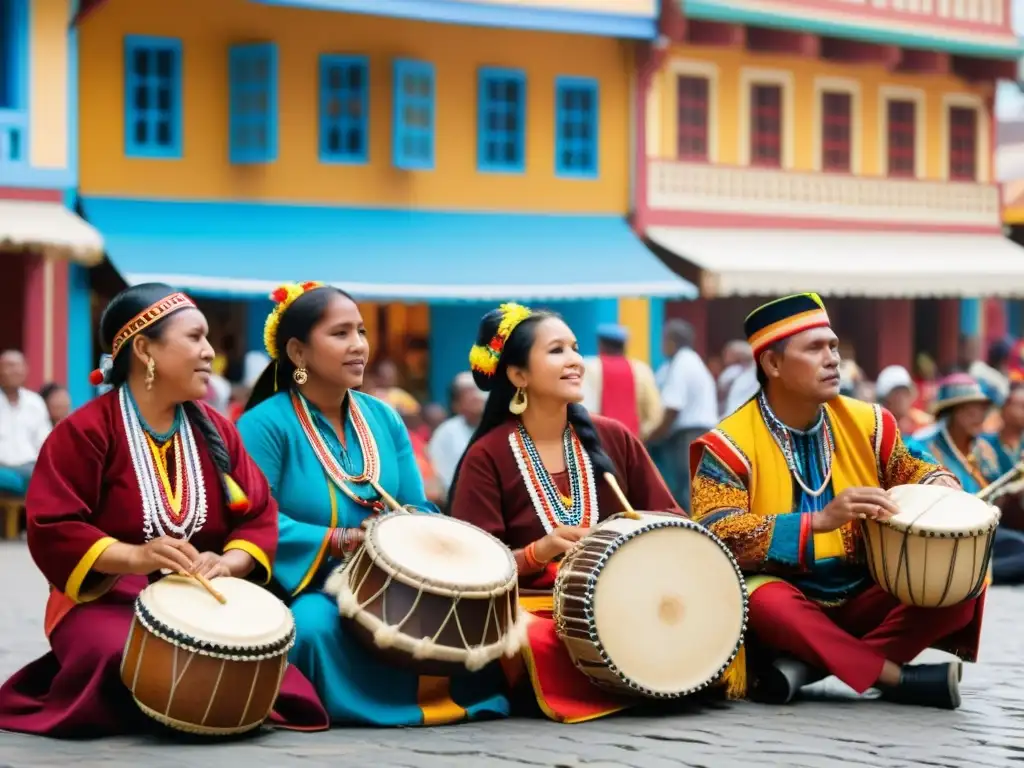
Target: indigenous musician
783, 482
324, 447
532, 476
143, 478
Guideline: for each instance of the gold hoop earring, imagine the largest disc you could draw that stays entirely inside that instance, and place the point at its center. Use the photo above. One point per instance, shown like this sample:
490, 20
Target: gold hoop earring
519, 402
150, 373
299, 376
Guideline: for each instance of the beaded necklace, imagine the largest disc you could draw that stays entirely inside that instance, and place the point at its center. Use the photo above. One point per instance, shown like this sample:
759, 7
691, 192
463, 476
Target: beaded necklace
170, 506
784, 439
554, 509
330, 463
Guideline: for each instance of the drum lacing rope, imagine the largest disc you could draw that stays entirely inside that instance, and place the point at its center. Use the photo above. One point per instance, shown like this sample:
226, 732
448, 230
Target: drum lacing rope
386, 635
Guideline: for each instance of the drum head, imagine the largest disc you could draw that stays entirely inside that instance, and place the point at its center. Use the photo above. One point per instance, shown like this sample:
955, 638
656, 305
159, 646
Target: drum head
669, 608
934, 510
251, 617
441, 550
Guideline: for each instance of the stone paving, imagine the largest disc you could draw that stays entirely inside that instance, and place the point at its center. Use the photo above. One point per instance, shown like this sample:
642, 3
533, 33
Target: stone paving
827, 728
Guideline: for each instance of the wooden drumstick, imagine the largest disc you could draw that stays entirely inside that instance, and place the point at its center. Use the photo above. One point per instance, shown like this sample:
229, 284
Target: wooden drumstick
209, 588
386, 497
629, 512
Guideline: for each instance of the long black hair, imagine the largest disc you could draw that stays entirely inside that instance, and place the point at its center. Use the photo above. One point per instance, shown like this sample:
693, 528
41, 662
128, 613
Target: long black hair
296, 322
516, 353
122, 308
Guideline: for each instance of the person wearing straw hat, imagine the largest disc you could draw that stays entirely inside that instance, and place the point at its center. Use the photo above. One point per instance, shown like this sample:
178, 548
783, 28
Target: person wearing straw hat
784, 482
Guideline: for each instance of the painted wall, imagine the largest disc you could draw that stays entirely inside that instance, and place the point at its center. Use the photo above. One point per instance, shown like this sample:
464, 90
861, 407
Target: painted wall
204, 172
732, 70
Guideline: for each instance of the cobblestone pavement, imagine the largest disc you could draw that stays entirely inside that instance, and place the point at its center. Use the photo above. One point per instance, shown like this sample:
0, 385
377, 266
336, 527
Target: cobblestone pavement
827, 728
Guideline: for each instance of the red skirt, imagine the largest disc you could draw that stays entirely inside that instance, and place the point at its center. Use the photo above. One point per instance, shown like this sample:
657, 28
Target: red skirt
75, 690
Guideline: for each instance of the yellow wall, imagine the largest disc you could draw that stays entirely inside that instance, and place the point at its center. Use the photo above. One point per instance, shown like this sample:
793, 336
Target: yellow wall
48, 84
869, 84
207, 29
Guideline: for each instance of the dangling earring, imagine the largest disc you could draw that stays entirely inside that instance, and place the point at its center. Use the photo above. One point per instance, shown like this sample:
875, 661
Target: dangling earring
150, 373
519, 402
299, 376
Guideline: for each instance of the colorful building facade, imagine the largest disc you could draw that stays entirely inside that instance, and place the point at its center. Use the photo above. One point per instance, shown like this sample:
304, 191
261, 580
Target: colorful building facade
430, 157
44, 246
841, 147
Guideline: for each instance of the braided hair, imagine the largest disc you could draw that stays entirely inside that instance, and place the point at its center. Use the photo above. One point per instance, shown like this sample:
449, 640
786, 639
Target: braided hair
516, 353
122, 308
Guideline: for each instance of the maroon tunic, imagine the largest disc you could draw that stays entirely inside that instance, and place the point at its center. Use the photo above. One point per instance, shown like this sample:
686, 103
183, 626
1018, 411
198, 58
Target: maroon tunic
492, 494
83, 495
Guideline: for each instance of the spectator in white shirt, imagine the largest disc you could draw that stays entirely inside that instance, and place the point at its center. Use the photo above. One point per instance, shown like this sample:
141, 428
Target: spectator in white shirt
690, 398
24, 419
743, 387
451, 437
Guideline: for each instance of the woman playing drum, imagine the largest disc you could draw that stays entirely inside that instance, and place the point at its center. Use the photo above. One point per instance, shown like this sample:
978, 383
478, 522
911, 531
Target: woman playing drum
140, 479
324, 447
533, 477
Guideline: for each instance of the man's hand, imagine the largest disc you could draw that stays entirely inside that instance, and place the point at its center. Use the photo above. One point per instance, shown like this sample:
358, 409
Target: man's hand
854, 504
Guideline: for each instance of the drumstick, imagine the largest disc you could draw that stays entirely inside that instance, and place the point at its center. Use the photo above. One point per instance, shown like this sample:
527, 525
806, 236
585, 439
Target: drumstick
386, 497
629, 512
209, 588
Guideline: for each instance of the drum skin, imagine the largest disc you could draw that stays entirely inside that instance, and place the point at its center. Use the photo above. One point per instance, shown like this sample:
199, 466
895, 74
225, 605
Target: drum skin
919, 559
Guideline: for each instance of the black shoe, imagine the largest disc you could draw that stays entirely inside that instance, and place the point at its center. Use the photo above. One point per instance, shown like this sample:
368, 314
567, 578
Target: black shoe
927, 685
782, 681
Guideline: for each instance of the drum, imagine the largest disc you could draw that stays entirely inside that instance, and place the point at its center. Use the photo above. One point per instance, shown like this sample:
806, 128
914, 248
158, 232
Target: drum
655, 607
205, 668
432, 593
937, 550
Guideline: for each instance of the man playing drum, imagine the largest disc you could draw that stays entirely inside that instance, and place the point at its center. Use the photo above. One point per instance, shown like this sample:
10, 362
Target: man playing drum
784, 482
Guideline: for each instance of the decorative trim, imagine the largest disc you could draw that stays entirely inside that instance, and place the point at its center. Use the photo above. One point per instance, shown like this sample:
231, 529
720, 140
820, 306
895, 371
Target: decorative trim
711, 72
983, 136
887, 93
751, 76
823, 85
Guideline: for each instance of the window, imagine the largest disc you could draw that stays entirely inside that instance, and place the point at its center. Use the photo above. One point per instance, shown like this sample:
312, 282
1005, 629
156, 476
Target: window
692, 117
501, 123
344, 109
153, 97
252, 77
13, 81
902, 130
576, 116
963, 143
836, 136
766, 125
414, 115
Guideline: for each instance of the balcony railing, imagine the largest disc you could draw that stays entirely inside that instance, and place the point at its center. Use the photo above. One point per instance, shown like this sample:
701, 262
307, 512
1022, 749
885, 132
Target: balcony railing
952, 13
701, 188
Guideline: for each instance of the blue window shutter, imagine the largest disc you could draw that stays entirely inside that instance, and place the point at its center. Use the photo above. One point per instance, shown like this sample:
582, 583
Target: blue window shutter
14, 85
153, 97
344, 115
413, 119
577, 117
501, 120
253, 112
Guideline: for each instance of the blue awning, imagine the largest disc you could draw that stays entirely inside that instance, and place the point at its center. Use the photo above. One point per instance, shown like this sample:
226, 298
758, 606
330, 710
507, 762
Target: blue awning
245, 250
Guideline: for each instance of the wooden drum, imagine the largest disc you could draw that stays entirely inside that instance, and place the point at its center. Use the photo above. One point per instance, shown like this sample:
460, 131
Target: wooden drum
432, 593
937, 550
202, 667
655, 607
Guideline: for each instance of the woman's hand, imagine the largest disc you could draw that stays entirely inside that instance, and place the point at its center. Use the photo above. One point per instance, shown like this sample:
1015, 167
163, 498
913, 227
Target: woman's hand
558, 542
210, 565
176, 555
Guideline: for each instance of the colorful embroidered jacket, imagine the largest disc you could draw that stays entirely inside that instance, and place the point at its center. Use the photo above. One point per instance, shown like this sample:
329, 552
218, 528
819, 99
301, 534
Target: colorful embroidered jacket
995, 458
937, 442
745, 490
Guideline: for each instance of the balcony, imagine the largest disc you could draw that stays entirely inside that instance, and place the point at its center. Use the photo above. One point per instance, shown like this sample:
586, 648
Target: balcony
695, 190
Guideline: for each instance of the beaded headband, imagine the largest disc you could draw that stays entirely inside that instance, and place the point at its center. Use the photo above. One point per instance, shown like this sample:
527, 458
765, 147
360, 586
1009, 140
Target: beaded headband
283, 296
484, 359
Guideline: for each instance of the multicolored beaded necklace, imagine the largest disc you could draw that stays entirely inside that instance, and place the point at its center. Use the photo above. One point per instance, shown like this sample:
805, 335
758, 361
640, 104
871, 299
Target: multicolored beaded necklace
783, 438
171, 506
554, 509
330, 463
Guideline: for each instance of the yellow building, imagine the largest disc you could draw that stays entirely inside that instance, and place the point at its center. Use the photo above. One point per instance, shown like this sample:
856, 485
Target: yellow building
845, 152
419, 162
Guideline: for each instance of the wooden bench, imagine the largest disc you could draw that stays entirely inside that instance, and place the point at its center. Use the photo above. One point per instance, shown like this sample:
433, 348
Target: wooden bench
10, 510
